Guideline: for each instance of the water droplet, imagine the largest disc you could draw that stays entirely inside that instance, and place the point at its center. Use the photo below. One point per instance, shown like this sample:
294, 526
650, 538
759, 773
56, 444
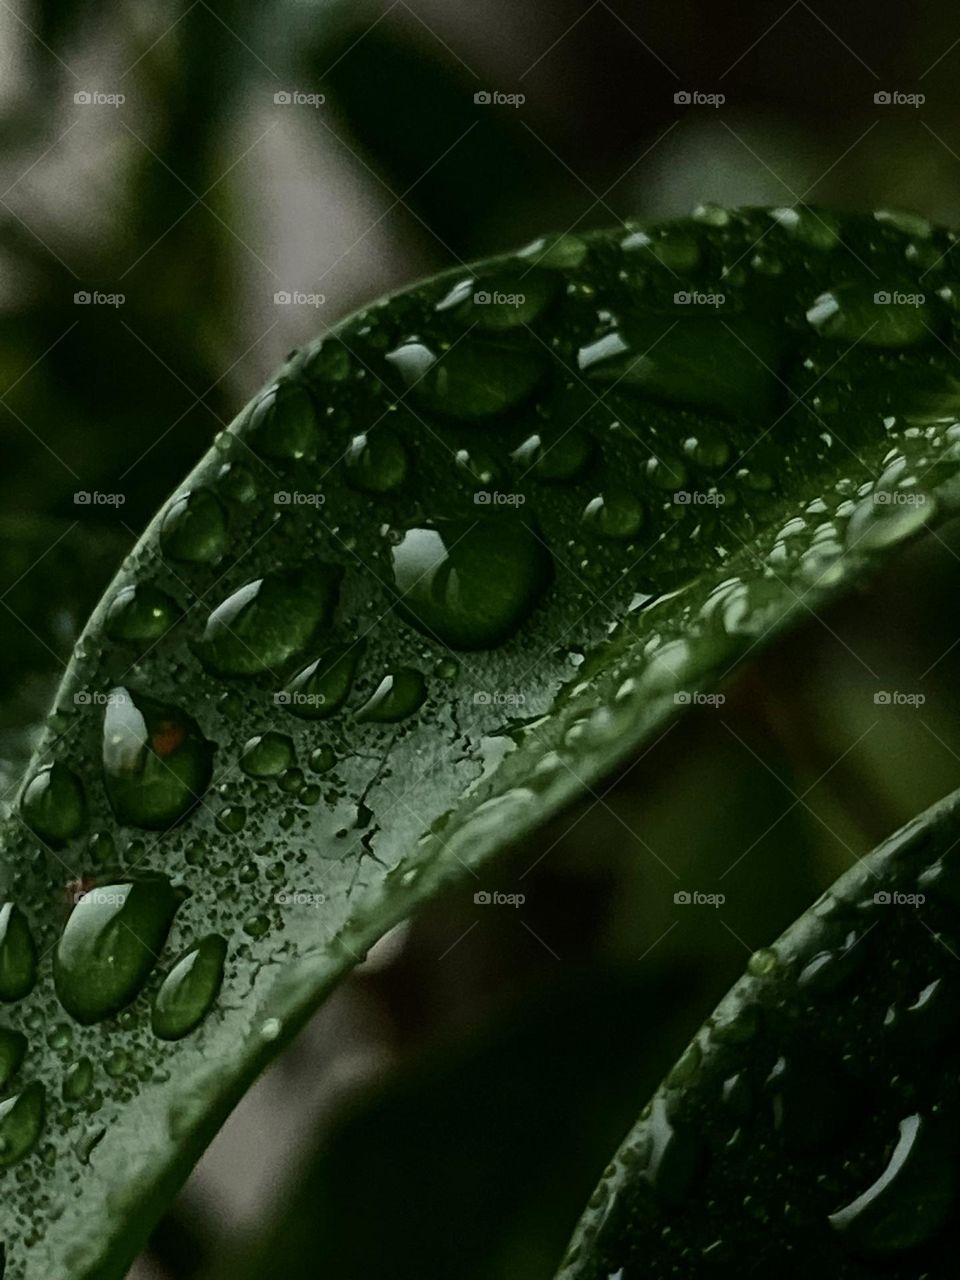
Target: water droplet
282, 423
473, 380
232, 819
762, 962
189, 989
501, 300
471, 584
53, 804
557, 457
911, 1198
911, 224
615, 514
21, 1123
109, 946
267, 755
876, 524
398, 695
816, 230
13, 1045
18, 954
268, 621
77, 1080
726, 366
194, 528
322, 688
139, 614
156, 762
376, 462
871, 316
560, 252
672, 248
674, 1157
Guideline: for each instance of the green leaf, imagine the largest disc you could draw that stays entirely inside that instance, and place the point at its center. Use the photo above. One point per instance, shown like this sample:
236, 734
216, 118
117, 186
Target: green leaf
462, 557
814, 1119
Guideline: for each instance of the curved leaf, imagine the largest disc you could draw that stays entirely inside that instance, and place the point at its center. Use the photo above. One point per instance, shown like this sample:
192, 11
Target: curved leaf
459, 559
814, 1120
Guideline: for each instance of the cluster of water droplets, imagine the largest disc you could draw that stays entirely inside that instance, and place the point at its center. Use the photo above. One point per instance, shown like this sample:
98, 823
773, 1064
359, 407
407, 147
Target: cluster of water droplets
570, 480
813, 1122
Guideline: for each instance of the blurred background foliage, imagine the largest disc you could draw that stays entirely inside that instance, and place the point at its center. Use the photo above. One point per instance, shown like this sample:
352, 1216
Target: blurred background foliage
449, 1111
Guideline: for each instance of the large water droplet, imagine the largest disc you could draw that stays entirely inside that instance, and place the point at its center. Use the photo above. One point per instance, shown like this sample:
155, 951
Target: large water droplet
194, 528
397, 696
21, 1123
503, 299
282, 422
265, 623
726, 366
473, 380
471, 584
18, 954
911, 1198
109, 946
140, 613
614, 514
13, 1045
875, 317
53, 804
156, 762
322, 688
555, 456
189, 989
376, 462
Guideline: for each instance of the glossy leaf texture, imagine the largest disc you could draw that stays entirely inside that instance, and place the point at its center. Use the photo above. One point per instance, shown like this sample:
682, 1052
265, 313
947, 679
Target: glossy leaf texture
462, 556
814, 1120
